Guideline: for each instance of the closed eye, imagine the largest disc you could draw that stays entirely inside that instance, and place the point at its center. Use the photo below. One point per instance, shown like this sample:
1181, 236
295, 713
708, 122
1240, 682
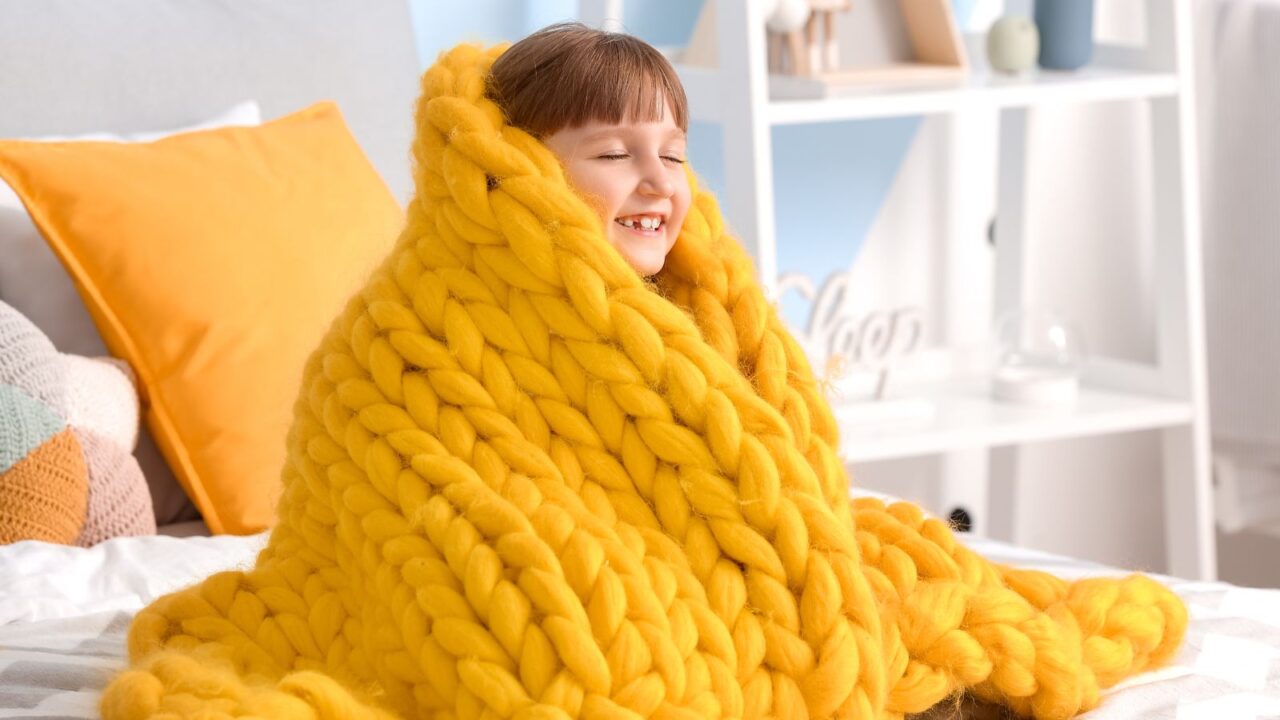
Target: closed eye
618, 156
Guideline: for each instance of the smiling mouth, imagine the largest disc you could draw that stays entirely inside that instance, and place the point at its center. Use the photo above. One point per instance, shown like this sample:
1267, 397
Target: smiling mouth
643, 225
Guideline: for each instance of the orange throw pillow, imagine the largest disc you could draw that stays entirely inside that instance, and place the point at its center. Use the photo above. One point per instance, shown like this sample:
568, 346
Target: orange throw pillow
213, 262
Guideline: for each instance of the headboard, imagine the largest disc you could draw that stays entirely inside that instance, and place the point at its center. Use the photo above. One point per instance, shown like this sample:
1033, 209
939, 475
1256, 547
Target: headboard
71, 66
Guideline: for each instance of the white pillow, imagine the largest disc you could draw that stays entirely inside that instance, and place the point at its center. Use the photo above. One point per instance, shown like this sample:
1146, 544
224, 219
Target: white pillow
34, 282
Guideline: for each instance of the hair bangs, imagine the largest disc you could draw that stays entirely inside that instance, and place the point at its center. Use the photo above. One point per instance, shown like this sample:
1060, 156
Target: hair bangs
569, 75
642, 86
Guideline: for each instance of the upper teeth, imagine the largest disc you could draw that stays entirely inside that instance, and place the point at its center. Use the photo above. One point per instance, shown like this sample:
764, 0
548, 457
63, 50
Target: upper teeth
648, 223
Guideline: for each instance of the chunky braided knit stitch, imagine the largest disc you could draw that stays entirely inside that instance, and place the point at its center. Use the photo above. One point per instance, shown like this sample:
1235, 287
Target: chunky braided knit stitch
524, 482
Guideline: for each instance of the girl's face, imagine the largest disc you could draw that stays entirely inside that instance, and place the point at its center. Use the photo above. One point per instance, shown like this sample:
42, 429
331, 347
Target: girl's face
633, 173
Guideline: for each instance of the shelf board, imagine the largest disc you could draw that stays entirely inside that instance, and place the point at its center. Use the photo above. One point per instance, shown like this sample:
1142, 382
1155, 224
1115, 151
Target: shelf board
966, 417
979, 89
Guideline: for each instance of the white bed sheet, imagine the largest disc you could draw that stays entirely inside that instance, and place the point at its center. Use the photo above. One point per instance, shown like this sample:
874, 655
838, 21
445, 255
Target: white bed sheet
64, 614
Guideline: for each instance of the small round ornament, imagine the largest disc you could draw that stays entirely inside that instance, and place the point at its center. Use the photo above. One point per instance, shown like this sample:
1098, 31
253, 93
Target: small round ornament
1013, 43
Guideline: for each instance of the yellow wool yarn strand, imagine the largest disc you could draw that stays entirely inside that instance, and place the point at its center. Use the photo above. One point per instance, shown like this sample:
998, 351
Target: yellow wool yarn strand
524, 482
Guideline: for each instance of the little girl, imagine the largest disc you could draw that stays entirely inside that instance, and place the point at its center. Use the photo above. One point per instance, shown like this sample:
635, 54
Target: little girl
524, 483
613, 111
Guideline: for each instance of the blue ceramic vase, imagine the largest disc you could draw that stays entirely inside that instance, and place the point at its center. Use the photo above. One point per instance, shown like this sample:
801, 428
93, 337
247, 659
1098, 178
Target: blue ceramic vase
1066, 33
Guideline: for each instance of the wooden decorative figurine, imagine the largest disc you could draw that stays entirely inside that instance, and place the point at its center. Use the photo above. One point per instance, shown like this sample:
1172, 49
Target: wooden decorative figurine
824, 51
788, 47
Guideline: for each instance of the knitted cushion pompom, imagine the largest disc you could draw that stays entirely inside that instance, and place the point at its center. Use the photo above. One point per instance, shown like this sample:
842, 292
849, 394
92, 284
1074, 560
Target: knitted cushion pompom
66, 441
524, 482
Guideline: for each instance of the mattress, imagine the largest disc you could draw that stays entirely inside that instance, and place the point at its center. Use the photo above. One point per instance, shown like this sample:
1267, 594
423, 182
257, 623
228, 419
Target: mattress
65, 612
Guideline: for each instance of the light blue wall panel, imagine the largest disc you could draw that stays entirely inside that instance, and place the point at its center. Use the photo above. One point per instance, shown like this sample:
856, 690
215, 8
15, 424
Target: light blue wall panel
661, 22
542, 14
439, 26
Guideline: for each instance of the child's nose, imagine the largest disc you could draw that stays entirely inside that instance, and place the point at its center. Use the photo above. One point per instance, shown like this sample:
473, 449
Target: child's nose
654, 178
656, 182
657, 188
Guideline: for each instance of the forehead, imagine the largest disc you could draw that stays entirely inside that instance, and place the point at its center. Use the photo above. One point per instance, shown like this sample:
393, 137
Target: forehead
597, 130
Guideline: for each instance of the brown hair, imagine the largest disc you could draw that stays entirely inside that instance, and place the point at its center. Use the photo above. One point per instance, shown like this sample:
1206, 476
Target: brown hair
567, 75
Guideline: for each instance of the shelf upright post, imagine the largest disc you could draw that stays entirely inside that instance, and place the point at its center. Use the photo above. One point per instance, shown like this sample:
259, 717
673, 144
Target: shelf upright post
748, 142
997, 469
966, 259
1013, 262
1190, 540
602, 14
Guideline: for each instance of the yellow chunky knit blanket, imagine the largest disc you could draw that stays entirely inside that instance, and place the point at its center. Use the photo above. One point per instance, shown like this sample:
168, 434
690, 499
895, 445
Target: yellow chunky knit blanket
525, 482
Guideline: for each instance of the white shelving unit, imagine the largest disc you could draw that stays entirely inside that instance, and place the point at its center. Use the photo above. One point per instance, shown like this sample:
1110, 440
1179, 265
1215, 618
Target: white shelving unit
1116, 396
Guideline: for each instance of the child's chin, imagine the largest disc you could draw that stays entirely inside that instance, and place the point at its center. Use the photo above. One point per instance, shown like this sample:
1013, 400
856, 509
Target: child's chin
650, 269
645, 260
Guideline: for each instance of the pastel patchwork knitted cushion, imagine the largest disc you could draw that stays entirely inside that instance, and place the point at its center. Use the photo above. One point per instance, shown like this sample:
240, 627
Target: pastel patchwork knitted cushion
69, 427
524, 482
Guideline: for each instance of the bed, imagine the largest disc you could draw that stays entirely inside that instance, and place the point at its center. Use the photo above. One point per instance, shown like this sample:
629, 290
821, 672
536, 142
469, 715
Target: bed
65, 613
134, 65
